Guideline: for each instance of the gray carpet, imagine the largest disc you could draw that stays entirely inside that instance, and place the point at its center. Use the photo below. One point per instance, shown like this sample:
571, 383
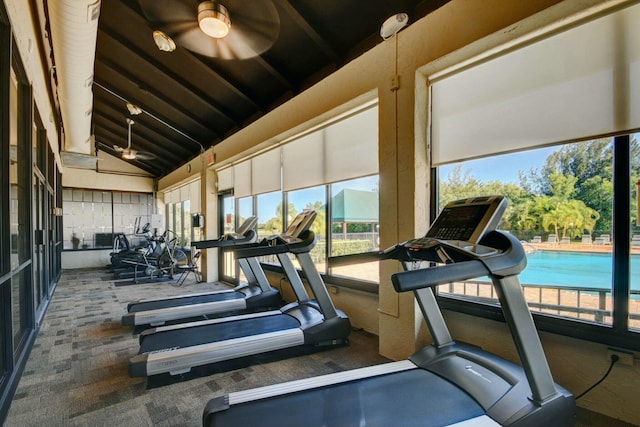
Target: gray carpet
77, 372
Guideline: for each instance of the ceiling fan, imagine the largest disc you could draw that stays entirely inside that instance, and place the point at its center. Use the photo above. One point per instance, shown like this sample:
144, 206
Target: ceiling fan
226, 29
129, 153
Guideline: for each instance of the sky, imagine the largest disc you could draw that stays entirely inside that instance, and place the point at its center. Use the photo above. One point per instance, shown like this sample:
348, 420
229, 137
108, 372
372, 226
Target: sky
503, 168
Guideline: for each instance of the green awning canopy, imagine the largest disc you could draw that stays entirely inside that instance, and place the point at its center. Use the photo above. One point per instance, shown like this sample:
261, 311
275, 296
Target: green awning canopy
355, 206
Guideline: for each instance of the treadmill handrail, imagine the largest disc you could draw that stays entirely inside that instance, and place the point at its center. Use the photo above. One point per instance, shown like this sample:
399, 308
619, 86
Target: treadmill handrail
396, 252
304, 243
432, 277
228, 240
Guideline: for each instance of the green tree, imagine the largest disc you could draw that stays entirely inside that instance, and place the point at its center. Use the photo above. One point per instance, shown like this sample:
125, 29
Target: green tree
274, 225
591, 166
320, 223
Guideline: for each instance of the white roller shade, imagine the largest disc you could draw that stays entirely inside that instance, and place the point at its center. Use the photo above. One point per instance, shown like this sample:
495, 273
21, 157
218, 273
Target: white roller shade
185, 193
581, 83
242, 179
351, 147
171, 196
265, 172
225, 179
303, 162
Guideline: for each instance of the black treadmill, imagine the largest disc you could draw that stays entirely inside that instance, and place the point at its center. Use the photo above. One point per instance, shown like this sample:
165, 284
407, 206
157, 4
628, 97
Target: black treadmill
302, 326
447, 383
254, 295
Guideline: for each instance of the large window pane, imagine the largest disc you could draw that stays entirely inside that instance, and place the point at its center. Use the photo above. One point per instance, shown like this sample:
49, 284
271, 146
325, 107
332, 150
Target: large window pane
19, 166
171, 216
560, 206
355, 225
19, 170
20, 283
312, 198
634, 285
245, 209
270, 217
270, 214
185, 238
4, 287
178, 220
227, 211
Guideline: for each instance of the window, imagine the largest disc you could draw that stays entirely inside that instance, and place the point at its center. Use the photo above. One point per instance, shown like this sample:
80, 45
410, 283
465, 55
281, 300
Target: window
20, 172
245, 209
180, 204
270, 219
312, 198
186, 232
355, 225
634, 234
562, 211
270, 214
571, 204
306, 171
228, 270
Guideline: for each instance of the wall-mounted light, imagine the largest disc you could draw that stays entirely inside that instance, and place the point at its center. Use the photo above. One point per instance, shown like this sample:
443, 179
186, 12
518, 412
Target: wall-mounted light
393, 25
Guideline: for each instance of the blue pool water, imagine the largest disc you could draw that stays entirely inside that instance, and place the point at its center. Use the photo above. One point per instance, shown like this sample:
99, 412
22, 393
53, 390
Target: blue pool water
589, 270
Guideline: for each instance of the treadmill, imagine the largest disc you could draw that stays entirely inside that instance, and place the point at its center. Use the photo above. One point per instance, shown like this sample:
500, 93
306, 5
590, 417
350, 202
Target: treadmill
300, 327
447, 383
254, 295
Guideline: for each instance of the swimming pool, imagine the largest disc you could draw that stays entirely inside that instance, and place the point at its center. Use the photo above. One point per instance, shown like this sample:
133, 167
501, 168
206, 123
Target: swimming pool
583, 269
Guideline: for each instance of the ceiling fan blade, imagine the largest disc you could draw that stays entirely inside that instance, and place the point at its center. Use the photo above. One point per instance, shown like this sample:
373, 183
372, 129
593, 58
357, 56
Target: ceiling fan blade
255, 26
143, 155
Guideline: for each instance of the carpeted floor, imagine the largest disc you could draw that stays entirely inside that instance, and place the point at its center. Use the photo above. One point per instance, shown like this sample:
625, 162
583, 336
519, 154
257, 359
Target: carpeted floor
77, 372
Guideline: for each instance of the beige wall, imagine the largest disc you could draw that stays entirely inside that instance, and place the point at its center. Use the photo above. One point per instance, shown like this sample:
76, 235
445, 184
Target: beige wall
90, 179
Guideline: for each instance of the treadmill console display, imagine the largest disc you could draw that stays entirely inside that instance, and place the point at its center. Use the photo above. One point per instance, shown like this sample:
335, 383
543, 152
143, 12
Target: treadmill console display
460, 226
247, 225
300, 223
457, 223
467, 220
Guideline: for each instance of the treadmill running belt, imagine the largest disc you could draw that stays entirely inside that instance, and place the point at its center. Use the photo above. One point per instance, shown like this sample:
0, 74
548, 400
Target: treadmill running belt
415, 398
187, 300
205, 334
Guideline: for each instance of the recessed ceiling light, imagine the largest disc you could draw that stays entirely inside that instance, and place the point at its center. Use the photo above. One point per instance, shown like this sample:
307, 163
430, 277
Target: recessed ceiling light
163, 41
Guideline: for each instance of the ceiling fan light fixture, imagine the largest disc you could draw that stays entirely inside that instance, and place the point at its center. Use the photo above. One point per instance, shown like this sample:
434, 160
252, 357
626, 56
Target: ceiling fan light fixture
129, 154
133, 109
163, 41
213, 19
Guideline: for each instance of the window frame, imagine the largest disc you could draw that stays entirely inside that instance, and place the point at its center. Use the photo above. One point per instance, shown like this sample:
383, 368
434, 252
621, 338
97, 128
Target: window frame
617, 334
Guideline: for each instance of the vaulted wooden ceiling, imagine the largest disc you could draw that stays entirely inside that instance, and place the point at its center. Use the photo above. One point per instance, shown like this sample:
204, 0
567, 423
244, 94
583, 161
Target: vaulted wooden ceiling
191, 102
